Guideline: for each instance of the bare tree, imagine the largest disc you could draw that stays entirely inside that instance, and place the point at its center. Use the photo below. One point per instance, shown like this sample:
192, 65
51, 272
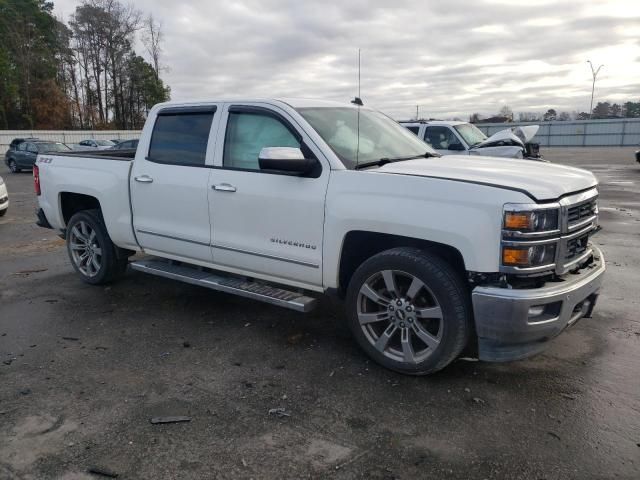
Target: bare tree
506, 112
152, 39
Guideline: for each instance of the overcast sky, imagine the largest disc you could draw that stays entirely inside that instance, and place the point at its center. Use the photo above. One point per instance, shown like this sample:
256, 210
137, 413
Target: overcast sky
452, 57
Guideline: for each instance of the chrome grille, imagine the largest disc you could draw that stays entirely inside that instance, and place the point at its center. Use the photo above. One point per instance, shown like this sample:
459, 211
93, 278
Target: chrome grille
576, 213
580, 222
576, 247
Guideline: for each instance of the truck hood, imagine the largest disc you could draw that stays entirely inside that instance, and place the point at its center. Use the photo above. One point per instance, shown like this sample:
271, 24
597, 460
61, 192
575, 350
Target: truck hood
540, 181
515, 135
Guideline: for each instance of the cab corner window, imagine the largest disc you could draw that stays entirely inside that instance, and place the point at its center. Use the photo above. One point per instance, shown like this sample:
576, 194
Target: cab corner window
248, 133
181, 138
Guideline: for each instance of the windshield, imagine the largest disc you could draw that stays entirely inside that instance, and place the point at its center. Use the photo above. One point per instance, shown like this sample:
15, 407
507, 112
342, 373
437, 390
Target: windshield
105, 143
471, 134
52, 147
380, 137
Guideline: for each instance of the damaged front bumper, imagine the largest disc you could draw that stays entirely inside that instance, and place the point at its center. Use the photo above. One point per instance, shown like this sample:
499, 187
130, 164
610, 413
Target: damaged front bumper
516, 323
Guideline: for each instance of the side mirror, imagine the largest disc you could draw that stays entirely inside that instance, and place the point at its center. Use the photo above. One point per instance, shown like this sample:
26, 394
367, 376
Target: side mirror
286, 160
457, 147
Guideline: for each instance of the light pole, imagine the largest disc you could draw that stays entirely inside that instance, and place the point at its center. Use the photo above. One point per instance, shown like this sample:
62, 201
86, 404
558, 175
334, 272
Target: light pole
594, 73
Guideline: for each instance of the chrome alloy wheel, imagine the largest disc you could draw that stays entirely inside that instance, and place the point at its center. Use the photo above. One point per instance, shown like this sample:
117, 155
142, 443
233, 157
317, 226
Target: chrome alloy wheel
85, 250
400, 316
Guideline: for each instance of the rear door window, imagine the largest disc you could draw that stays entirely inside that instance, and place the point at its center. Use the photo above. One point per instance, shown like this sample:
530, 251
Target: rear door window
181, 138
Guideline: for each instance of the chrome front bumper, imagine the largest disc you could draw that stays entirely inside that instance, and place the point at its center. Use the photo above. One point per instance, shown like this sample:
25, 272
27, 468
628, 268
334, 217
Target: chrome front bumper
516, 323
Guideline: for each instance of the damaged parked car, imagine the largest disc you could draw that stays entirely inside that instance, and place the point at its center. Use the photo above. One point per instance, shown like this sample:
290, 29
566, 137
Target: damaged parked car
462, 138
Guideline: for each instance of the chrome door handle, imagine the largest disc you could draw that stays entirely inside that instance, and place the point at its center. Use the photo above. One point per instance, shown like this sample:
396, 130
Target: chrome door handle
224, 187
143, 179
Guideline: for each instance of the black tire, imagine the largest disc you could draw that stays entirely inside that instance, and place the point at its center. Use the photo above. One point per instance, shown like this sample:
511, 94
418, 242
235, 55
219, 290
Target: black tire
3, 212
13, 166
442, 290
112, 264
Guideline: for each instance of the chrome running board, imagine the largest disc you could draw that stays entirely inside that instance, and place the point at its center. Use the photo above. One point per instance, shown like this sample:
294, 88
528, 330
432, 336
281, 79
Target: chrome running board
255, 290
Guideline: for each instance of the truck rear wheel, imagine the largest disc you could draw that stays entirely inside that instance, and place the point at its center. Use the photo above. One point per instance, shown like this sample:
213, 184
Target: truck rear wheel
92, 253
409, 310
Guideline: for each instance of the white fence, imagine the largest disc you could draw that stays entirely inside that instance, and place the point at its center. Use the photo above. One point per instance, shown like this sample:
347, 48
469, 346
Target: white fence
66, 136
618, 132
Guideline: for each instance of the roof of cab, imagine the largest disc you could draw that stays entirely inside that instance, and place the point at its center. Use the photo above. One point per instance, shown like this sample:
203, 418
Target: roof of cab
433, 122
292, 102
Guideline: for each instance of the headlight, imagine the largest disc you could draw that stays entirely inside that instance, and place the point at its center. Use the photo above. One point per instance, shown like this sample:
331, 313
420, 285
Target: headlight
533, 256
530, 236
530, 221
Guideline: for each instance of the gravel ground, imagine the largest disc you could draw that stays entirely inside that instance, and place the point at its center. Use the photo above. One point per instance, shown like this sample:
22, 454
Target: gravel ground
83, 370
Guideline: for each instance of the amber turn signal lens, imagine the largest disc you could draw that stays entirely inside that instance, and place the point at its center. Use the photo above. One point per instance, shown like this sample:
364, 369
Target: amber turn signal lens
515, 256
517, 220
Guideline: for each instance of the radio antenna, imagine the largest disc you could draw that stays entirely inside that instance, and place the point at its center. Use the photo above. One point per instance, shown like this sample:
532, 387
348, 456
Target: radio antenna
359, 96
358, 99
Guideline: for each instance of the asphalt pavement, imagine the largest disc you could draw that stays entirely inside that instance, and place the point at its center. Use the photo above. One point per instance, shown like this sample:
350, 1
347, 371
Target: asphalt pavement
271, 393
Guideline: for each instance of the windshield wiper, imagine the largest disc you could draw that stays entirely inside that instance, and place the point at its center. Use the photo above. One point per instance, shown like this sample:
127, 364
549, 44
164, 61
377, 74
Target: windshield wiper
385, 160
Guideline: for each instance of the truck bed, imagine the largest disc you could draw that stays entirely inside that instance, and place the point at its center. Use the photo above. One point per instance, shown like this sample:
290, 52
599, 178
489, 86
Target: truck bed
101, 174
126, 155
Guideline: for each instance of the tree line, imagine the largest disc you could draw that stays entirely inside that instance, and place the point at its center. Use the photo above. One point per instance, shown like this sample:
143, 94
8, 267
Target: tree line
81, 75
600, 111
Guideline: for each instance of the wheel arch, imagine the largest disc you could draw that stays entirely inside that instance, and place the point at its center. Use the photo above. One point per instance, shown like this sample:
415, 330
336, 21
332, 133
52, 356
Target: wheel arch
72, 203
359, 246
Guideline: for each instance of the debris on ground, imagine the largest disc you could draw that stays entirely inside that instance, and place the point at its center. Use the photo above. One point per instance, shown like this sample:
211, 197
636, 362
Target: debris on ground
554, 435
175, 419
279, 412
28, 272
71, 339
468, 390
294, 338
569, 396
186, 344
478, 400
25, 391
244, 463
9, 361
105, 472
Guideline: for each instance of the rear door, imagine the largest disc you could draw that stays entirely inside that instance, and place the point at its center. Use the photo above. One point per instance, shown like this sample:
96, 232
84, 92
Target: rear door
28, 155
169, 184
266, 224
19, 154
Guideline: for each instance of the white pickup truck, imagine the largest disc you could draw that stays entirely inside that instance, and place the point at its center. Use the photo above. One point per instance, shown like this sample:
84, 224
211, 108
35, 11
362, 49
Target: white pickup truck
283, 200
449, 137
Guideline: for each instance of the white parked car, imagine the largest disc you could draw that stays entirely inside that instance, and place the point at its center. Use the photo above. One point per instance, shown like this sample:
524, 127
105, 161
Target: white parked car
4, 198
97, 144
462, 138
283, 200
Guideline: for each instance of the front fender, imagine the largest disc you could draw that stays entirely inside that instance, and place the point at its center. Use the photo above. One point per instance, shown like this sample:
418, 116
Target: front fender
465, 216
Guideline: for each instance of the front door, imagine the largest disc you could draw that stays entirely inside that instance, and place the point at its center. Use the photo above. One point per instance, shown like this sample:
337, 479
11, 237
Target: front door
444, 140
169, 185
266, 224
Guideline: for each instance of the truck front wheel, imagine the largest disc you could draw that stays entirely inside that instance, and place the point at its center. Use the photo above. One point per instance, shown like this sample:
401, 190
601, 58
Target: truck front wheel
409, 310
92, 253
